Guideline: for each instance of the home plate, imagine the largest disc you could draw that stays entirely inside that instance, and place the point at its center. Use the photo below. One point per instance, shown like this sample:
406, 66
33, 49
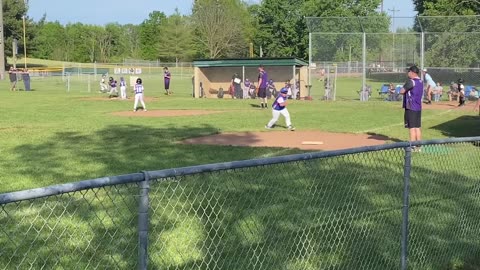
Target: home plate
312, 142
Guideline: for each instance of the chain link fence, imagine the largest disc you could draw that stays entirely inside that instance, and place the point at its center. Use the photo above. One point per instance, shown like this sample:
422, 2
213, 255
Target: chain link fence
86, 77
363, 208
372, 51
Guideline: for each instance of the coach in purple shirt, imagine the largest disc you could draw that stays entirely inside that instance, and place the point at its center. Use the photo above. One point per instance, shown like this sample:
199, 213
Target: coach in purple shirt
262, 86
412, 92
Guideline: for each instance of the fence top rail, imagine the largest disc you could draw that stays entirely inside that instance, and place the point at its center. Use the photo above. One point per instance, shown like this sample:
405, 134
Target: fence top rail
17, 196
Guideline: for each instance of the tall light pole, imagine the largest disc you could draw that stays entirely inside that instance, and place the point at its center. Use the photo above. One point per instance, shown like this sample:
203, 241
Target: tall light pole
393, 33
2, 44
25, 34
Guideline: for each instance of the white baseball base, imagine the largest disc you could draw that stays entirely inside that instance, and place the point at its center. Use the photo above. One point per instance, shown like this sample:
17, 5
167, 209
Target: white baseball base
312, 142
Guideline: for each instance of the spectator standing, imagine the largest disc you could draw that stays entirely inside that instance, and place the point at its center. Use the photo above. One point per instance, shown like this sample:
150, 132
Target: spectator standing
461, 93
430, 85
12, 75
166, 80
412, 103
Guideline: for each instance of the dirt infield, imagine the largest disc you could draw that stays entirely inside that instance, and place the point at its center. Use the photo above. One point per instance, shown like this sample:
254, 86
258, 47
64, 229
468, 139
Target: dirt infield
449, 105
130, 99
159, 113
307, 140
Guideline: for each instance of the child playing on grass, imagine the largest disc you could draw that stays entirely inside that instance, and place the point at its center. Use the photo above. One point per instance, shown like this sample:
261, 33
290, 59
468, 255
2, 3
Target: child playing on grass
139, 95
279, 106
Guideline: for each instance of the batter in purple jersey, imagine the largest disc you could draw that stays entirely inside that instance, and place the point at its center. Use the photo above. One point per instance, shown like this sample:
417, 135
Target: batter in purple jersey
166, 79
262, 86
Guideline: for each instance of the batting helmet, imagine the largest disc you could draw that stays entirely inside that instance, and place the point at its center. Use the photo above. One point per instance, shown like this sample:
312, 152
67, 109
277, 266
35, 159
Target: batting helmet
460, 80
139, 81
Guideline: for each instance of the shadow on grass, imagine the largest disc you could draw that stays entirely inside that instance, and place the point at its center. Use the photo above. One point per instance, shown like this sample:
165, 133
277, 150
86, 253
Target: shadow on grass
342, 212
463, 126
378, 136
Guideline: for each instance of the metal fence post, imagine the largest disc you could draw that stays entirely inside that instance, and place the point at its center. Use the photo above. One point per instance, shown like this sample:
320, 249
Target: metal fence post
143, 223
405, 208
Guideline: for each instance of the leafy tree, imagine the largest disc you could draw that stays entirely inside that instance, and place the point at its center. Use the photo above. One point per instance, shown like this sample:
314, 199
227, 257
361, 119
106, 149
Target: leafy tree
176, 41
130, 41
448, 40
49, 40
150, 30
220, 27
13, 12
283, 29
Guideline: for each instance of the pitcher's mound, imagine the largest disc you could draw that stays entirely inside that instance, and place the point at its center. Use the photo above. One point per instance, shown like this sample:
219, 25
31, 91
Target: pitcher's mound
308, 140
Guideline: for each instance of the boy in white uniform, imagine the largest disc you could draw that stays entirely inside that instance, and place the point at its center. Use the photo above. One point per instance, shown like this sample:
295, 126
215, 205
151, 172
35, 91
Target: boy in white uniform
123, 88
279, 106
138, 89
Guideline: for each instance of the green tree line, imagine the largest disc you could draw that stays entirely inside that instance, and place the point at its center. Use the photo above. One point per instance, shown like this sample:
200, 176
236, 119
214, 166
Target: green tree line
215, 29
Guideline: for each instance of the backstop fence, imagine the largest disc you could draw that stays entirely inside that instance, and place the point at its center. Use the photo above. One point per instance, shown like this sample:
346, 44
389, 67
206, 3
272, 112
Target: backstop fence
381, 207
377, 49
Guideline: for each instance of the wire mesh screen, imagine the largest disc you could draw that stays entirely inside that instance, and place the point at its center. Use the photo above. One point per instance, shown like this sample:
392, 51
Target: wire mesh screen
341, 211
445, 207
372, 51
90, 229
314, 214
390, 54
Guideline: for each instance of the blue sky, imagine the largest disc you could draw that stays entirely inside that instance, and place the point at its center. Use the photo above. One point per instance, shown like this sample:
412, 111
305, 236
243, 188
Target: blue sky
100, 12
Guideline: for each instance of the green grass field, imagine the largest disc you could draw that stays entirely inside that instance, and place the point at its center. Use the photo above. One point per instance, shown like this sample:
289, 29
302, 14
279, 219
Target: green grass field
51, 135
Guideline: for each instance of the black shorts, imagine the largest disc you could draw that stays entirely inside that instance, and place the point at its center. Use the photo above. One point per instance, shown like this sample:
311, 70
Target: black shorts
413, 119
262, 92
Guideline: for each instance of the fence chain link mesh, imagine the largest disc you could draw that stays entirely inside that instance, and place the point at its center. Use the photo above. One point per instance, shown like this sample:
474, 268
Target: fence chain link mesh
316, 214
336, 212
89, 229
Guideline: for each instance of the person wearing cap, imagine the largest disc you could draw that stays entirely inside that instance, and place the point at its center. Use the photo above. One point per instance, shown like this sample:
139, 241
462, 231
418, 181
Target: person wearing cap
430, 85
412, 91
279, 106
262, 86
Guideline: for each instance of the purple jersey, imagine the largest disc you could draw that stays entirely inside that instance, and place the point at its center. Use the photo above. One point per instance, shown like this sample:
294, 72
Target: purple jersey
413, 96
167, 75
264, 76
276, 104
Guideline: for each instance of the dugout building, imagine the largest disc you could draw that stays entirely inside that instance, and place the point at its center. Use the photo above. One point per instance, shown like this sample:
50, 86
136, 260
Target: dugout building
213, 74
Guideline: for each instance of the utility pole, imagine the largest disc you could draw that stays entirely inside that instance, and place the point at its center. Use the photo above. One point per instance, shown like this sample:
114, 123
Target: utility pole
25, 34
2, 44
393, 33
